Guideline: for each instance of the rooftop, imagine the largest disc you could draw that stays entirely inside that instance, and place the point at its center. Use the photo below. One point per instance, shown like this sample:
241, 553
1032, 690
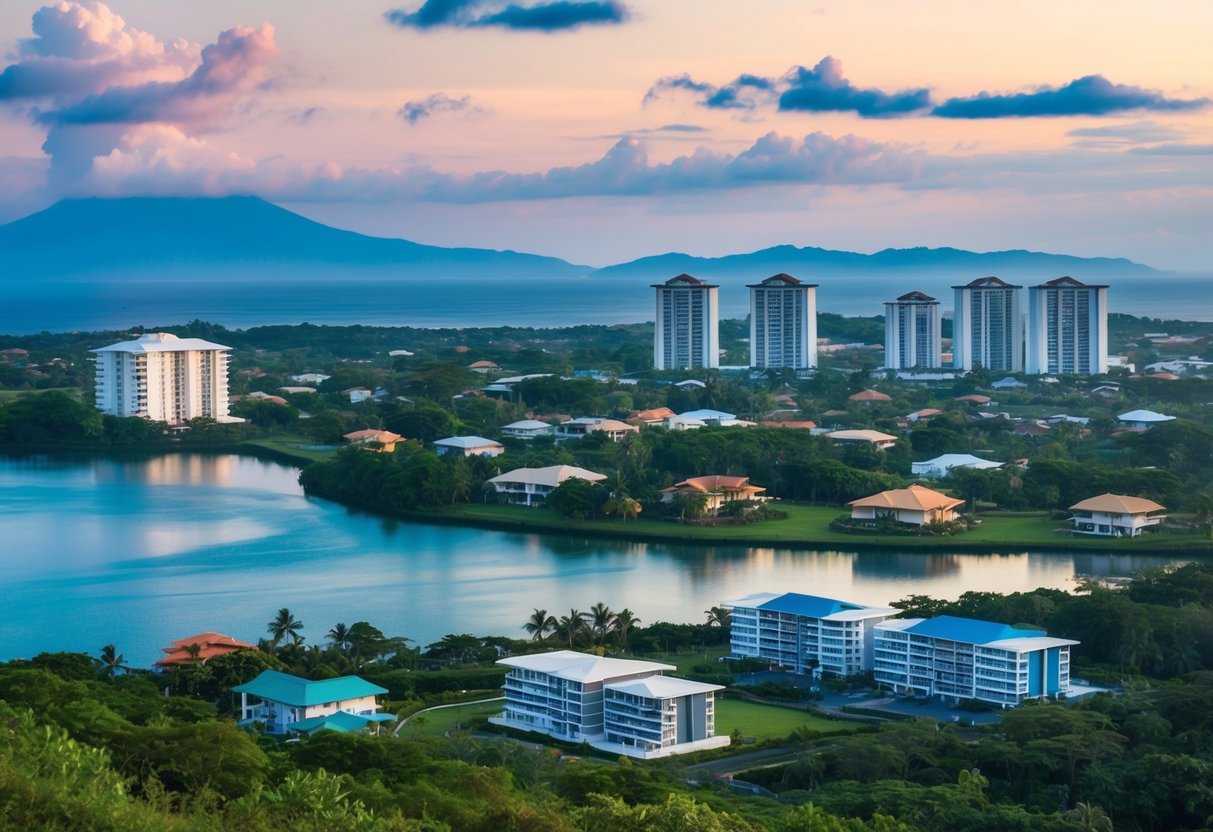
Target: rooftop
810, 606
861, 436
917, 297
1117, 504
684, 281
550, 476
969, 630
528, 424
161, 342
1144, 416
988, 283
467, 442
870, 396
582, 667
914, 498
292, 690
781, 280
1068, 282
662, 687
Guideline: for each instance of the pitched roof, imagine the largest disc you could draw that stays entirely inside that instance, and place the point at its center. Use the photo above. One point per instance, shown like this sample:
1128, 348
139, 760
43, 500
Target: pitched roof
976, 398
860, 436
988, 283
655, 414
685, 281
582, 667
715, 483
809, 606
1144, 416
161, 342
870, 396
917, 297
467, 442
483, 365
949, 461
969, 630
528, 424
1117, 504
209, 646
1068, 282
803, 424
914, 498
781, 279
550, 476
662, 687
342, 722
292, 690
707, 415
372, 435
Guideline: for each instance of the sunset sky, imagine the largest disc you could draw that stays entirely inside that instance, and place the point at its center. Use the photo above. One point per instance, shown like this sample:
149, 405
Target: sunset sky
603, 130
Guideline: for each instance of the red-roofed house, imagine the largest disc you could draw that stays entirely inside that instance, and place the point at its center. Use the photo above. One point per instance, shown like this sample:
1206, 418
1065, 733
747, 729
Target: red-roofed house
209, 645
870, 397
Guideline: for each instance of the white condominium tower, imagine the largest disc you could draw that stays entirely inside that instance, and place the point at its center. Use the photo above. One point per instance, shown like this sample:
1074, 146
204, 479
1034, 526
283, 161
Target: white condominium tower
988, 326
912, 332
686, 335
163, 378
783, 323
1067, 328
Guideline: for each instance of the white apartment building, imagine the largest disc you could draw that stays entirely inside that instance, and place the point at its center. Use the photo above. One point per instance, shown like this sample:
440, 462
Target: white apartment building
1067, 328
988, 326
163, 378
686, 335
625, 706
783, 323
963, 658
912, 332
805, 633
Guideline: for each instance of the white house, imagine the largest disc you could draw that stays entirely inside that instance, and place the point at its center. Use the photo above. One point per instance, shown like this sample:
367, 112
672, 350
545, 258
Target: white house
941, 466
358, 394
1116, 515
624, 706
583, 426
1143, 419
285, 703
806, 633
527, 429
467, 446
531, 486
964, 658
873, 437
163, 378
1009, 383
916, 505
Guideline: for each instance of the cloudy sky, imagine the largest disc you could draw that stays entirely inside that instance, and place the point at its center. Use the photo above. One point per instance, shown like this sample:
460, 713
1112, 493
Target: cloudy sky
602, 130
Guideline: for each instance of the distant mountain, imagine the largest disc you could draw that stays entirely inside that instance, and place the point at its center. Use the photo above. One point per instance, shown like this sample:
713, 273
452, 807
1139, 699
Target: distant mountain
229, 237
813, 264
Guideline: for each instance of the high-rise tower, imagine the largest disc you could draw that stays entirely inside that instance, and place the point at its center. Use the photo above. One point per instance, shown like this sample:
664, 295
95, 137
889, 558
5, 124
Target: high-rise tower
686, 335
912, 332
988, 326
783, 323
1067, 328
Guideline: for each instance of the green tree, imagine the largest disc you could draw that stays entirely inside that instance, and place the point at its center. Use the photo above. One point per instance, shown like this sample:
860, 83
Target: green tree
540, 625
284, 625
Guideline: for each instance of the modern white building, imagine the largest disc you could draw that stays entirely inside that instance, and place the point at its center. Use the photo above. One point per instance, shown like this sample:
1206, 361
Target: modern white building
987, 326
528, 429
583, 426
531, 486
686, 335
1116, 515
284, 703
1067, 328
805, 633
964, 658
467, 446
912, 332
163, 378
1143, 419
625, 706
943, 465
783, 323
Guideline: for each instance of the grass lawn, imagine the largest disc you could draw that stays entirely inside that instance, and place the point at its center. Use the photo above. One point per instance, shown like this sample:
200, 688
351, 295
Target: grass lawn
289, 444
685, 661
436, 723
763, 722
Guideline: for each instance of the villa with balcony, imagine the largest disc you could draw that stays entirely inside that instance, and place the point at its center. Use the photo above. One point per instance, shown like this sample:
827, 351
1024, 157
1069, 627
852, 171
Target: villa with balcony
287, 704
531, 486
1116, 515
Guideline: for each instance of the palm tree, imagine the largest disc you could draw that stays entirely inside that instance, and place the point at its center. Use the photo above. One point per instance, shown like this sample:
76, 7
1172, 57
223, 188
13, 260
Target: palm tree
540, 625
283, 625
571, 626
602, 621
625, 621
339, 636
111, 660
1089, 818
719, 617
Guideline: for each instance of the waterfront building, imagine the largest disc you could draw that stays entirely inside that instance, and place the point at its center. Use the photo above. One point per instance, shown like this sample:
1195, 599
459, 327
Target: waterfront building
916, 505
988, 326
625, 706
284, 703
783, 323
805, 633
686, 335
912, 332
161, 377
1116, 515
467, 446
716, 490
964, 658
1067, 328
531, 486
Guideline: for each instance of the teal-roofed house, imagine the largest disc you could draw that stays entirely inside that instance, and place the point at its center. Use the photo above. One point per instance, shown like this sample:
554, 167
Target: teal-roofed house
805, 633
286, 703
966, 658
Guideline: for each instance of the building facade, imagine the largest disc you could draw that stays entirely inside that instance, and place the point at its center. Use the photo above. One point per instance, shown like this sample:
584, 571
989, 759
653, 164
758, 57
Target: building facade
912, 332
161, 377
1067, 328
686, 335
284, 703
622, 705
783, 323
805, 633
1116, 515
988, 326
962, 658
531, 486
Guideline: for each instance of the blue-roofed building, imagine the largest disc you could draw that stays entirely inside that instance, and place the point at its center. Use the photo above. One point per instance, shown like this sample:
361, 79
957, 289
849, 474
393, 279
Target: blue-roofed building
965, 658
285, 703
805, 633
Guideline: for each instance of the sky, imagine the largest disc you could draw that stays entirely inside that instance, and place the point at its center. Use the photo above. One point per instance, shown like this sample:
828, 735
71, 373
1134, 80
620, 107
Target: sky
604, 130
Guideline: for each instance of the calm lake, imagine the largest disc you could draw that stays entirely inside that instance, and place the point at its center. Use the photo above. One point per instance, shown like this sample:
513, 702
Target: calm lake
139, 552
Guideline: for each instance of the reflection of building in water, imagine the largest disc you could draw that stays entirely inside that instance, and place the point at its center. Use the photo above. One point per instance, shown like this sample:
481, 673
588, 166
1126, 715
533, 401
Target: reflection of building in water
1114, 566
879, 564
172, 469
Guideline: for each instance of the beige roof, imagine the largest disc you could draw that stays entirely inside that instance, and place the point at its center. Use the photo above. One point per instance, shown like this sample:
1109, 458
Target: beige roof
976, 398
384, 436
861, 436
1117, 504
870, 396
550, 476
714, 484
914, 498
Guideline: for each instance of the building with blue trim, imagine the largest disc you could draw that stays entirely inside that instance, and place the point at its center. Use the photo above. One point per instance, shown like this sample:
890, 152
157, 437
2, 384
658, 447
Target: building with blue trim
805, 633
965, 658
286, 703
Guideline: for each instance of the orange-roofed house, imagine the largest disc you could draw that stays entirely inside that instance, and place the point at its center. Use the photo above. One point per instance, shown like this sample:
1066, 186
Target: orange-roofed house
870, 397
916, 505
975, 398
802, 424
1116, 515
655, 416
209, 645
483, 366
383, 441
719, 490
